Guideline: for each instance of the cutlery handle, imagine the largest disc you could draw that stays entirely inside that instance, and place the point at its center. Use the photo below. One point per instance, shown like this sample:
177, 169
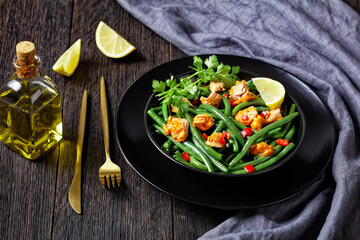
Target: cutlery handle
75, 187
81, 130
104, 117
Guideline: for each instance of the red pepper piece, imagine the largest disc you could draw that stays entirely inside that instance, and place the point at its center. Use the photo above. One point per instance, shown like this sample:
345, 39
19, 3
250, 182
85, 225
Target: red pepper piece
249, 168
232, 103
226, 95
226, 135
223, 136
186, 156
194, 102
282, 142
244, 117
265, 114
205, 136
246, 132
204, 85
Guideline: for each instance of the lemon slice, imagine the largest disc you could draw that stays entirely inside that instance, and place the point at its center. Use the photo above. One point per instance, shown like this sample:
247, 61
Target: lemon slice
110, 43
69, 61
271, 91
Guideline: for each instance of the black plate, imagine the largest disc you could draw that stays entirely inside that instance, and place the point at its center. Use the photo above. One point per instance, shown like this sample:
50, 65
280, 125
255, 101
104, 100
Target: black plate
226, 191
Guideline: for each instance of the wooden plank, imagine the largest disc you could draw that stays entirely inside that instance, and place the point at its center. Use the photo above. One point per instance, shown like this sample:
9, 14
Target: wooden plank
27, 192
192, 221
131, 212
354, 4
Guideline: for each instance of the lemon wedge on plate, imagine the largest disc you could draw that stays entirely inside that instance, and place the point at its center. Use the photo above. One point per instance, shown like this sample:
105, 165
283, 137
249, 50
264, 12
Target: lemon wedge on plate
271, 91
69, 61
110, 43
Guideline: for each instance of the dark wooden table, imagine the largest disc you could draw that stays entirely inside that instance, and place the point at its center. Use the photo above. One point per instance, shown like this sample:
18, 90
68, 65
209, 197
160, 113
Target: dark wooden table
34, 194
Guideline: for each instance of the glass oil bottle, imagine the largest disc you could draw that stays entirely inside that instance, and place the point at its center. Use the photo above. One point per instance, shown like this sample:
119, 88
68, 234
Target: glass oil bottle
30, 106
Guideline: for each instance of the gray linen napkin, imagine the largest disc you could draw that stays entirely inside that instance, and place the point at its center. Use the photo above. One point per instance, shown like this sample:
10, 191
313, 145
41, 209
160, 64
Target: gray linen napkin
317, 41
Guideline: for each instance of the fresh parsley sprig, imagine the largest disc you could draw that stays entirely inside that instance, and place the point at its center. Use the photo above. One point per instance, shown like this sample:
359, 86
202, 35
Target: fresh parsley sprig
215, 71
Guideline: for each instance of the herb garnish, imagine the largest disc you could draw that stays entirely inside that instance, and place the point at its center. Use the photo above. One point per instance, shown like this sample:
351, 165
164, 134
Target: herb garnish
191, 89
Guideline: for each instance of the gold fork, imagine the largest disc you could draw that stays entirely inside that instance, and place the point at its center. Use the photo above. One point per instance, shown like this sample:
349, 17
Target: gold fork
109, 172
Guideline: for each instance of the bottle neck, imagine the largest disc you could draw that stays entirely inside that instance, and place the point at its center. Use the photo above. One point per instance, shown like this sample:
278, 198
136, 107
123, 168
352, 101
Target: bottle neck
27, 71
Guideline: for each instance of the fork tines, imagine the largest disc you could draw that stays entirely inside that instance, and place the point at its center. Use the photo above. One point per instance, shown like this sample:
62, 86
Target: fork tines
110, 180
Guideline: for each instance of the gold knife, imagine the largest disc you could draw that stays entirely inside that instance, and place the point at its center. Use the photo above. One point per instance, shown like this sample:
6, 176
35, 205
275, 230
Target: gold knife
75, 187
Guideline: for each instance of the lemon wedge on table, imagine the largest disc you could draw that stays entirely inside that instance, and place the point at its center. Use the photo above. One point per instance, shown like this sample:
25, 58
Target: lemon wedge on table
271, 91
69, 61
110, 43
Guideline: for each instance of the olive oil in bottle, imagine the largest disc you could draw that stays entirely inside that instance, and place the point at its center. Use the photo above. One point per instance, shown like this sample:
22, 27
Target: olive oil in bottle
30, 106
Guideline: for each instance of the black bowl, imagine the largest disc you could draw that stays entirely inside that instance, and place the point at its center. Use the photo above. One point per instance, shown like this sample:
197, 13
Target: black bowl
158, 139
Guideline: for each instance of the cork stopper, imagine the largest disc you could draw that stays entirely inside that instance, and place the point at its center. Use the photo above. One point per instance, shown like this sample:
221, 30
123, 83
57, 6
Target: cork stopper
26, 62
25, 52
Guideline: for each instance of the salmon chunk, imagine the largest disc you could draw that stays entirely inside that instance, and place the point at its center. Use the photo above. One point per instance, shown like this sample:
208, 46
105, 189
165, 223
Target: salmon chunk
217, 87
246, 115
177, 127
238, 90
274, 116
257, 123
214, 99
263, 148
203, 121
214, 140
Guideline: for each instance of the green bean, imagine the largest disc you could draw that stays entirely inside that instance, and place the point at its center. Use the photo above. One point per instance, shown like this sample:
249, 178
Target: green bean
252, 102
273, 160
219, 127
174, 147
241, 171
214, 161
237, 124
261, 139
197, 164
226, 120
200, 154
195, 133
261, 109
156, 117
164, 108
288, 125
276, 135
155, 109
260, 133
227, 108
167, 144
290, 134
168, 150
230, 157
199, 111
181, 159
240, 167
234, 142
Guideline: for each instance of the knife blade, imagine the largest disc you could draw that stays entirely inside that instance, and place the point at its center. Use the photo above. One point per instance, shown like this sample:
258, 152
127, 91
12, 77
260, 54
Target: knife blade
75, 187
